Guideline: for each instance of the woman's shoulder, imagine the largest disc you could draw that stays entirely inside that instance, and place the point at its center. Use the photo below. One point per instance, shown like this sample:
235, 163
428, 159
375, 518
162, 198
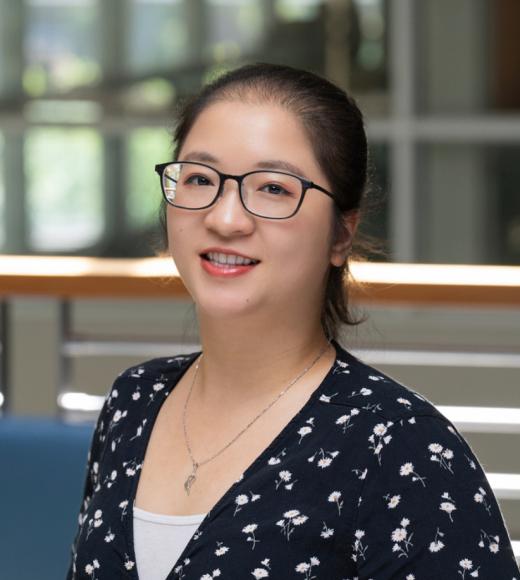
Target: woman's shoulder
158, 368
364, 386
149, 376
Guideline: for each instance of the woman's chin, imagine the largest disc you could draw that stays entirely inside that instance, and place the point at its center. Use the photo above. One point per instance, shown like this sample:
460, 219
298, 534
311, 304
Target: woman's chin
226, 307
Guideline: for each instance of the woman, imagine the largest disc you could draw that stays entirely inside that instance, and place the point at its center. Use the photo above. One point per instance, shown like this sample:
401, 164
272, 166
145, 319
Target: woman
274, 452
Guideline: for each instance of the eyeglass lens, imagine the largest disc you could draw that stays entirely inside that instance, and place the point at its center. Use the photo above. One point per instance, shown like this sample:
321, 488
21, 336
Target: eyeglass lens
266, 193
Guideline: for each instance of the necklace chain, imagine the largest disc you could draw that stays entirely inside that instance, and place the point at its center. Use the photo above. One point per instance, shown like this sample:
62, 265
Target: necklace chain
191, 478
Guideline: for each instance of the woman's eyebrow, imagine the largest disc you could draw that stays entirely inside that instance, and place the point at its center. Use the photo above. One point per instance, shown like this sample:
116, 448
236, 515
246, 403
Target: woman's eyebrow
279, 164
205, 157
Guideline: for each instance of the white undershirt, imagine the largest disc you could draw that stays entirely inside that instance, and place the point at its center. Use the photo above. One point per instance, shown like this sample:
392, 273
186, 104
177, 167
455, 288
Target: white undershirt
159, 540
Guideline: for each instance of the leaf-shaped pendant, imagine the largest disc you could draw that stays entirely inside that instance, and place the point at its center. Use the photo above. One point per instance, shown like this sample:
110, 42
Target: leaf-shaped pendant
191, 478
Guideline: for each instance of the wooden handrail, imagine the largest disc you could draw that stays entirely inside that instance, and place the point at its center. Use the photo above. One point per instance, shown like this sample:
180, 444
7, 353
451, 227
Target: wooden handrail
379, 282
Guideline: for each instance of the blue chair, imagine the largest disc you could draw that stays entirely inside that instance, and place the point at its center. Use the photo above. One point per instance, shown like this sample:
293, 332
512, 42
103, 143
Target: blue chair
42, 470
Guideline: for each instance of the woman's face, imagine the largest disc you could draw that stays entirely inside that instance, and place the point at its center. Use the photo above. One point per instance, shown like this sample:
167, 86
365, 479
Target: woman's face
294, 254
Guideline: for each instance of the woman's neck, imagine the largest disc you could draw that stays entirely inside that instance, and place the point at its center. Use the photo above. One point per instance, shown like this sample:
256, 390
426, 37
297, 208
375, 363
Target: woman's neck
240, 369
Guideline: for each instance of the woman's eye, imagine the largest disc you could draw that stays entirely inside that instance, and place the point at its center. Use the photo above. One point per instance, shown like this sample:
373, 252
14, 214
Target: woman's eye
276, 189
197, 180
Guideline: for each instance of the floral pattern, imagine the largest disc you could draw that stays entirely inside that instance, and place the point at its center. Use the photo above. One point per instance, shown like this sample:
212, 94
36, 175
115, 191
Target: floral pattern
368, 481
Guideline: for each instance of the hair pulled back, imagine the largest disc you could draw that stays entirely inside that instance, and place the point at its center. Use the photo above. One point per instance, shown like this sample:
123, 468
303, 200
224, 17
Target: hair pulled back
335, 128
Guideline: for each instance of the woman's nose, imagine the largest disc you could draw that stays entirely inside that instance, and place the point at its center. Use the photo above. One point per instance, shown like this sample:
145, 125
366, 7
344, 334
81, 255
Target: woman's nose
227, 214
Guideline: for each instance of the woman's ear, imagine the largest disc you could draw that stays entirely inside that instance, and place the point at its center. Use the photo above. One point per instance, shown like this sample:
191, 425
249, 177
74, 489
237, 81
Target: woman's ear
343, 243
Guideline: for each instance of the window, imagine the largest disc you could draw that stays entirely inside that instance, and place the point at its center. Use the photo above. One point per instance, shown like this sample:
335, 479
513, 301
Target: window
99, 82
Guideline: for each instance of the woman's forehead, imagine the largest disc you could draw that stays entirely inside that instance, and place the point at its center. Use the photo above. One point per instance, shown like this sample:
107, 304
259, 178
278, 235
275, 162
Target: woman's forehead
260, 135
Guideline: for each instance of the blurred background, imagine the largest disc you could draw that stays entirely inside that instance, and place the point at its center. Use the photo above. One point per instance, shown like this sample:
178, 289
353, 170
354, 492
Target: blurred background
87, 90
87, 96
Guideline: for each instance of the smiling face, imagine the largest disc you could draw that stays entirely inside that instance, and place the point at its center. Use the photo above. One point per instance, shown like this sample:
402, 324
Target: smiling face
294, 254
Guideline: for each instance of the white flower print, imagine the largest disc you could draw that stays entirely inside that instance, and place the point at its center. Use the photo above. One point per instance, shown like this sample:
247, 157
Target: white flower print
364, 392
214, 574
324, 461
467, 564
341, 367
492, 542
276, 459
402, 541
123, 505
136, 373
249, 530
345, 420
372, 407
294, 518
441, 456
157, 387
116, 420
335, 497
407, 469
472, 464
242, 500
118, 414
139, 431
480, 497
327, 398
399, 534
132, 468
91, 568
180, 568
358, 549
306, 567
404, 402
326, 532
109, 479
110, 536
114, 442
380, 431
437, 545
393, 501
262, 572
129, 564
221, 549
94, 522
306, 429
448, 506
285, 477
361, 474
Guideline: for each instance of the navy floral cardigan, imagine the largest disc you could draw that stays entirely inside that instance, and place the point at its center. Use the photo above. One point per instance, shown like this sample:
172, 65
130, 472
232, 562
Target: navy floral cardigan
367, 481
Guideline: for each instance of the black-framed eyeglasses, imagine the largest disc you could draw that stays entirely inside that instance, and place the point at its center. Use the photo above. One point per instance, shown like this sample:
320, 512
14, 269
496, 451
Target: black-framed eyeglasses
263, 193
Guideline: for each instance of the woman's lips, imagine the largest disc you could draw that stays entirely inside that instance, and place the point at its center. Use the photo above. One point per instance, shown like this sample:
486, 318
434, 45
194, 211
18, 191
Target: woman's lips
225, 270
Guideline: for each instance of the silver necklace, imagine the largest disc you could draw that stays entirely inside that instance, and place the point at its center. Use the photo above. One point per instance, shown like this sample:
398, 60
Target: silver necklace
195, 465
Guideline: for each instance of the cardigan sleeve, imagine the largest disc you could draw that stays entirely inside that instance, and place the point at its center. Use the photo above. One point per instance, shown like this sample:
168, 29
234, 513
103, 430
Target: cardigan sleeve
94, 457
426, 508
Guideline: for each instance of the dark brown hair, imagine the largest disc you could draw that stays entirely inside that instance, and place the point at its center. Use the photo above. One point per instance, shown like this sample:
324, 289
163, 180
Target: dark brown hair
334, 124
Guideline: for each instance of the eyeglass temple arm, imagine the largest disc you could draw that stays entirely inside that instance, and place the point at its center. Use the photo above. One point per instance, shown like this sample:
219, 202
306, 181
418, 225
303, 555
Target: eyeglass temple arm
315, 186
